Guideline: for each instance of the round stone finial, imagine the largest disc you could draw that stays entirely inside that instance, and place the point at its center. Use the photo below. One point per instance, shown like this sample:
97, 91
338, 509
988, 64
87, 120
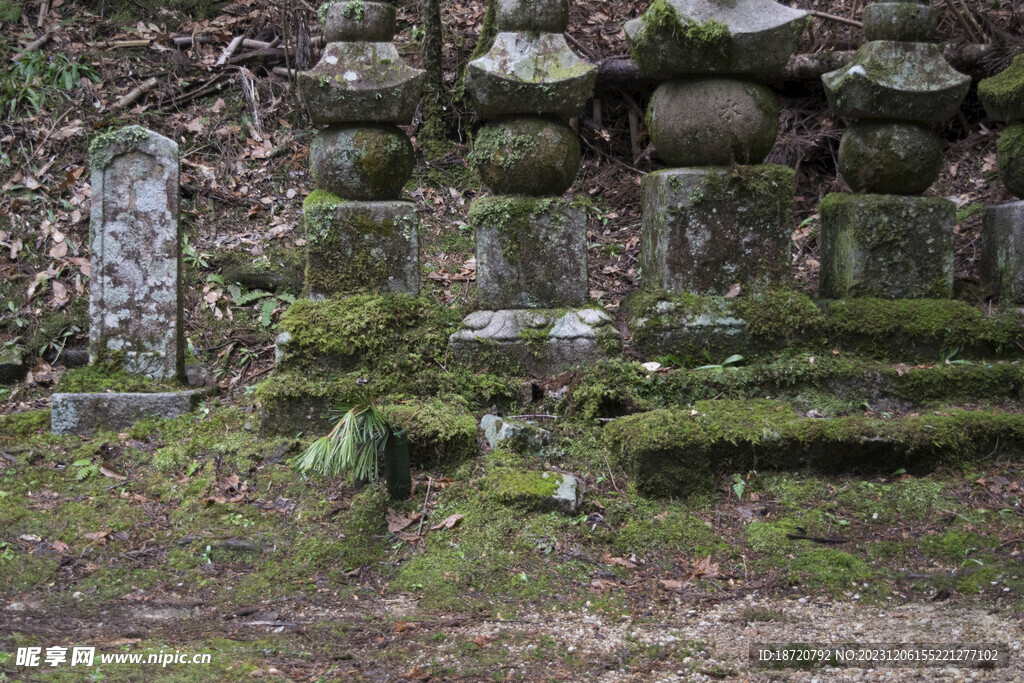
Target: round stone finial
906, 21
539, 16
353, 20
527, 156
890, 158
362, 162
712, 122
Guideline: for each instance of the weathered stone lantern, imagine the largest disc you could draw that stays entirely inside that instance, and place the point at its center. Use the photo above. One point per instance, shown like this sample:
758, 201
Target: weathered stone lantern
360, 236
887, 242
1002, 237
531, 243
718, 217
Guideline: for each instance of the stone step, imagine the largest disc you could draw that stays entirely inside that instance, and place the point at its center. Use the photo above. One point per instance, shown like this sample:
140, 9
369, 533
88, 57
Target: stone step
681, 452
910, 330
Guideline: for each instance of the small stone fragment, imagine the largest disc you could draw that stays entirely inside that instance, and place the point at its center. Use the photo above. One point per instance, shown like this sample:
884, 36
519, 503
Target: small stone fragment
516, 435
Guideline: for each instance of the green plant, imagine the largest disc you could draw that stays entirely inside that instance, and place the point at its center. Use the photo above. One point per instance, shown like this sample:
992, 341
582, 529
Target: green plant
352, 446
720, 367
86, 468
36, 76
739, 486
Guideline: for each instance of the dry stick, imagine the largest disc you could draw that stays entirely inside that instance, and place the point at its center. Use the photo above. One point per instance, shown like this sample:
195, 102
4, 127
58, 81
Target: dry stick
426, 501
610, 475
189, 41
230, 50
634, 135
974, 22
44, 9
284, 71
251, 97
113, 44
963, 22
133, 95
34, 45
833, 17
598, 117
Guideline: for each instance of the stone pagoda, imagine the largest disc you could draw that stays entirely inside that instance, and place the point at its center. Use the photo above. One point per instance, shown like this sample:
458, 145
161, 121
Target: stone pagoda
360, 236
531, 243
718, 217
888, 242
1002, 237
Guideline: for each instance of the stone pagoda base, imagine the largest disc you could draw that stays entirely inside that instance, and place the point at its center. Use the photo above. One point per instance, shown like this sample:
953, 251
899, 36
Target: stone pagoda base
886, 246
706, 229
1002, 251
83, 414
535, 342
531, 252
360, 246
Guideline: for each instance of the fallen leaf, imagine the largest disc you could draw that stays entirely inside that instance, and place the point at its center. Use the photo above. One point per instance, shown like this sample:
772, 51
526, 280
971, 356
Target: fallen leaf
620, 561
59, 546
60, 293
734, 291
398, 521
98, 536
602, 584
703, 567
481, 641
402, 626
671, 584
108, 471
29, 538
449, 523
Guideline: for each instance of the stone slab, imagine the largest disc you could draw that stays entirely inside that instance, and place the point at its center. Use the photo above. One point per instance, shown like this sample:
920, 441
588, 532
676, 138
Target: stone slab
1002, 252
361, 82
529, 73
530, 253
535, 342
886, 246
707, 229
360, 247
517, 435
135, 299
533, 491
85, 413
897, 82
747, 38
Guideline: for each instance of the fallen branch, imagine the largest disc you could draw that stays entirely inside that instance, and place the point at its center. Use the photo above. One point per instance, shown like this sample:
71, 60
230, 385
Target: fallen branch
134, 95
34, 45
235, 43
833, 17
116, 44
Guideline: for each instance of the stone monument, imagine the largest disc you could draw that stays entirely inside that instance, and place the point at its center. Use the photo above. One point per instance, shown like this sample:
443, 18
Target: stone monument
135, 298
718, 217
360, 236
888, 242
1002, 236
531, 243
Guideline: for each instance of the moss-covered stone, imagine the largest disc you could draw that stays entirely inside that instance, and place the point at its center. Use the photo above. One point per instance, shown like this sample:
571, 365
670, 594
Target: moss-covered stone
355, 247
277, 269
531, 490
1001, 265
1010, 156
25, 423
442, 431
530, 252
100, 377
680, 453
1003, 94
361, 162
890, 158
902, 21
682, 37
527, 156
712, 122
705, 230
886, 246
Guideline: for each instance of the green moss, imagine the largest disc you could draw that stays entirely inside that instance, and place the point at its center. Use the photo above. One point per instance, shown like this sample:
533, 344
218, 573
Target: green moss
831, 568
520, 487
99, 378
366, 529
677, 452
353, 9
781, 315
99, 149
25, 423
1004, 92
512, 216
956, 545
442, 431
672, 531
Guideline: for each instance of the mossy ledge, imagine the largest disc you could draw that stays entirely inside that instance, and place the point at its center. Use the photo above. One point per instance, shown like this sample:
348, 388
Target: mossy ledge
682, 452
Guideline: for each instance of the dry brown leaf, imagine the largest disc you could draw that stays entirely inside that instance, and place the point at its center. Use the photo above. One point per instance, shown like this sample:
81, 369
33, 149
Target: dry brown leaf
734, 291
602, 584
109, 471
398, 521
449, 522
98, 536
704, 567
402, 626
481, 641
59, 546
671, 584
620, 561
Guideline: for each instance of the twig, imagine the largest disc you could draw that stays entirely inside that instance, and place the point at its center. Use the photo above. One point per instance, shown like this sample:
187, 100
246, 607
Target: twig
235, 43
188, 41
528, 417
817, 539
833, 17
576, 44
610, 475
34, 45
284, 72
963, 22
426, 501
134, 95
115, 44
44, 9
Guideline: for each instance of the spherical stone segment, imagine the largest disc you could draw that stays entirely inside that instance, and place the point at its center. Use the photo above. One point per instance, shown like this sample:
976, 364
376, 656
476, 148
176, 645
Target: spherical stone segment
362, 162
890, 158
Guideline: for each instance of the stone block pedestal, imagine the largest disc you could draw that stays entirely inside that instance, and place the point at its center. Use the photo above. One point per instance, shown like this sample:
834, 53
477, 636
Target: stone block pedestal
886, 246
531, 252
1002, 251
706, 229
537, 342
360, 246
85, 413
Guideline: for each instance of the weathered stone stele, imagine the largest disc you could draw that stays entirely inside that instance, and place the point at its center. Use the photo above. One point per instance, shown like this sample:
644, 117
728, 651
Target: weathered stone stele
708, 229
886, 246
363, 246
1002, 252
739, 38
135, 305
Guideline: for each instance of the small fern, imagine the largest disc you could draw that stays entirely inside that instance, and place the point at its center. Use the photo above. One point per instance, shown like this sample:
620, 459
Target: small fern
86, 468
